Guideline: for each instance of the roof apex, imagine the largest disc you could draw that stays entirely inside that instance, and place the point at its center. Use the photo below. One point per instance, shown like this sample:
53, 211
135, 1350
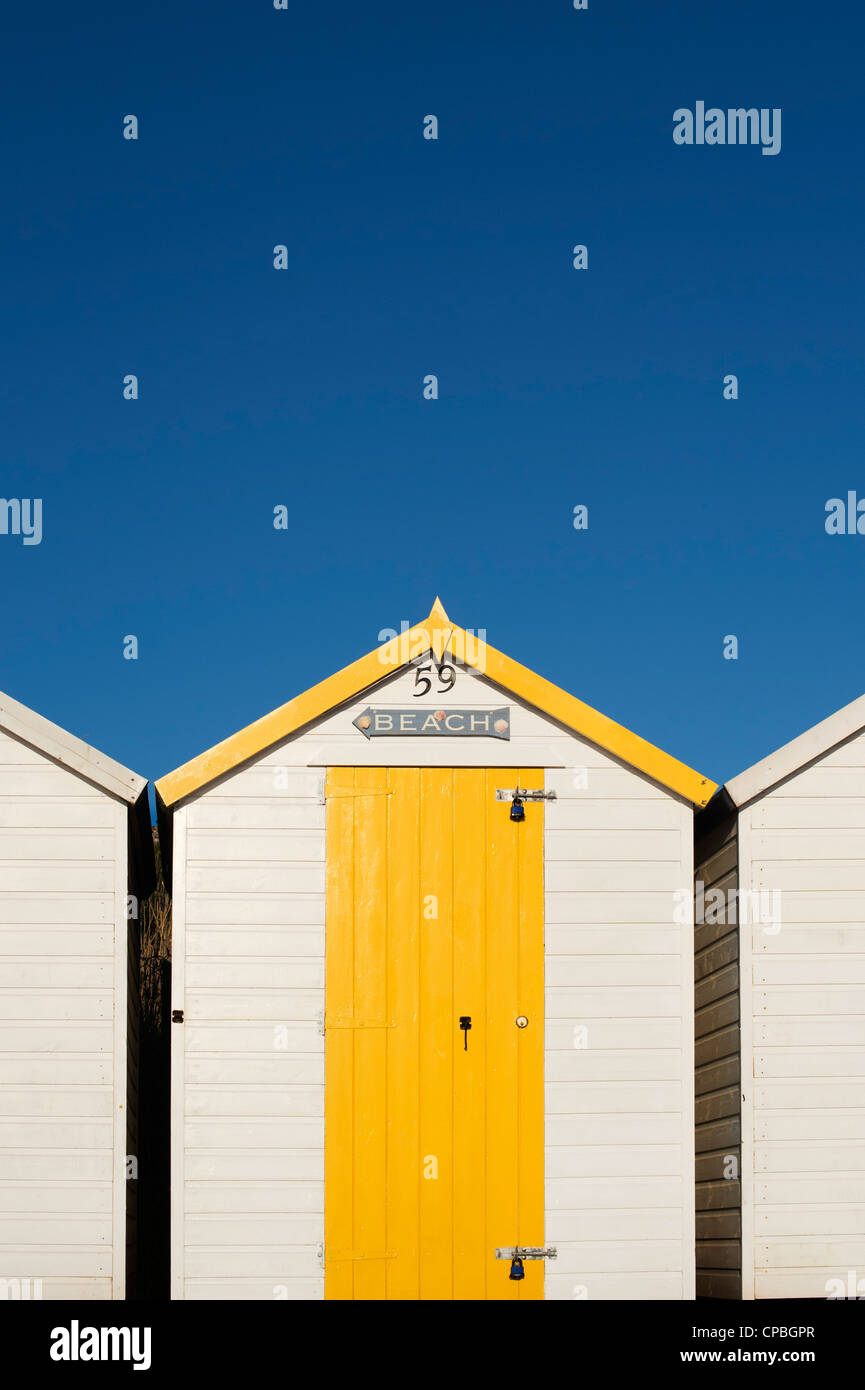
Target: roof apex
437, 633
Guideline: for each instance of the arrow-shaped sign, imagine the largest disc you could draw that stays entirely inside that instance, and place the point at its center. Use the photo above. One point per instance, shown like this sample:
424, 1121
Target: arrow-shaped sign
427, 722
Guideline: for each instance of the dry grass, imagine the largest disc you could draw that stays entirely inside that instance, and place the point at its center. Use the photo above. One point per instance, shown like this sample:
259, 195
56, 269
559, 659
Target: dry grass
155, 927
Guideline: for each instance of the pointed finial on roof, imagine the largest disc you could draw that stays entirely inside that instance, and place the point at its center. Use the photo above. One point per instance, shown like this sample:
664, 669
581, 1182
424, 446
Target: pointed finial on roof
440, 629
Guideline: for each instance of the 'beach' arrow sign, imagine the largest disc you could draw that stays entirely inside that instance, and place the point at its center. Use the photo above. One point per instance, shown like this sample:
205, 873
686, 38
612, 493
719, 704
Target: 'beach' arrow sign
459, 723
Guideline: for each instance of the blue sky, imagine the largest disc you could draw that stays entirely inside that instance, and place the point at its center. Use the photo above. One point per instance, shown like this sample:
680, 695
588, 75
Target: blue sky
557, 387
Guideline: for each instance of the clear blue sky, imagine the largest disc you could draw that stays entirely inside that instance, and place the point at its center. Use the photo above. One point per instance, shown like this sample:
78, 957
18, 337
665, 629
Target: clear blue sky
407, 257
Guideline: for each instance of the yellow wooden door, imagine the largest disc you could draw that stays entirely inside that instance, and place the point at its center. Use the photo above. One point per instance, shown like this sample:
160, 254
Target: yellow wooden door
434, 1137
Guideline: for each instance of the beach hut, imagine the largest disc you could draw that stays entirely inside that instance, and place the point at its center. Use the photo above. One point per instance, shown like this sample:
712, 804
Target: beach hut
432, 992
780, 1022
76, 852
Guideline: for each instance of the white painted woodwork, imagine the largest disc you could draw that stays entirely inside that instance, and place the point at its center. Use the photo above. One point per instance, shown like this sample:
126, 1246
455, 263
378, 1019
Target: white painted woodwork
803, 999
64, 812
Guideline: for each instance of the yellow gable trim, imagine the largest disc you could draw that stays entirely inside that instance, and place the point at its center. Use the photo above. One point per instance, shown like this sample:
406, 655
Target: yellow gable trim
438, 634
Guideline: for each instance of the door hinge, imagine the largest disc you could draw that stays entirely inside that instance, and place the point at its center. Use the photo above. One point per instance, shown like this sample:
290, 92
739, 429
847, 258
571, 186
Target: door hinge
350, 1023
359, 1255
527, 1252
177, 1016
508, 794
361, 791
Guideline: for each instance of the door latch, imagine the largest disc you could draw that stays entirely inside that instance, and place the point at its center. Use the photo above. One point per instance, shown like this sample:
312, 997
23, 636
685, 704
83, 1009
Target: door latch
508, 794
465, 1024
527, 1252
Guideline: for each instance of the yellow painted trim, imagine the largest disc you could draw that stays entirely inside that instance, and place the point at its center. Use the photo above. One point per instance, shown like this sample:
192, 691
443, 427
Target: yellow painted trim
597, 728
438, 634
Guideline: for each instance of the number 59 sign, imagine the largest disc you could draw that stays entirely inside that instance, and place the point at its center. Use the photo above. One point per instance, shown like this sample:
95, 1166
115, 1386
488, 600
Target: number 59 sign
423, 682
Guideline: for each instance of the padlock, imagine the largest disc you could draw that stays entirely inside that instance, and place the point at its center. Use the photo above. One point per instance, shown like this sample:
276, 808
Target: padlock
517, 1271
518, 813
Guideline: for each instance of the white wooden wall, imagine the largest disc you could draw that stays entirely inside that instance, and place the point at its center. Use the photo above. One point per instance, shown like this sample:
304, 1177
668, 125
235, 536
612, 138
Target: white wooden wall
63, 863
803, 999
620, 1112
248, 1063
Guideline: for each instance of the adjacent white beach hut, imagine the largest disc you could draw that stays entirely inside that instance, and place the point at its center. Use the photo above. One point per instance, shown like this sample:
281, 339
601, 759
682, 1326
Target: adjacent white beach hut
418, 1021
75, 843
780, 992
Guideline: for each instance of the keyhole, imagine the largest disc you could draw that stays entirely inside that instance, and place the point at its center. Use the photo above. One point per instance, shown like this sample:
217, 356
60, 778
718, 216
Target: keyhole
465, 1024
